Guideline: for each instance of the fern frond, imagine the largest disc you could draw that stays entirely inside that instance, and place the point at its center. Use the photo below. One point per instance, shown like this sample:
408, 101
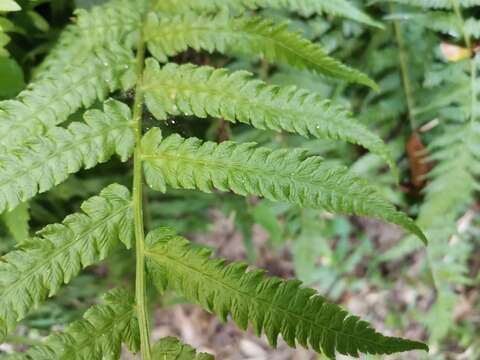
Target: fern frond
50, 101
48, 159
170, 348
453, 179
271, 305
250, 36
453, 183
283, 175
455, 150
342, 8
444, 22
41, 265
203, 91
99, 335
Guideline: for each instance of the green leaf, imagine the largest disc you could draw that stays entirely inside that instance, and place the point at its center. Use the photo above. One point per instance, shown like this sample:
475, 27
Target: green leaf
250, 36
271, 305
99, 335
17, 222
12, 78
202, 91
306, 8
9, 5
284, 175
41, 265
170, 348
38, 21
4, 40
47, 160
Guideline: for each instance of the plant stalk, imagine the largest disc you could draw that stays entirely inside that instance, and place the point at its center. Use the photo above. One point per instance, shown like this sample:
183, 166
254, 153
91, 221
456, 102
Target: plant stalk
405, 72
138, 197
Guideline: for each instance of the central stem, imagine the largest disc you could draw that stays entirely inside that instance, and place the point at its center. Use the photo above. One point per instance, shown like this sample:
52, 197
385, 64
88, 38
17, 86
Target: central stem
140, 293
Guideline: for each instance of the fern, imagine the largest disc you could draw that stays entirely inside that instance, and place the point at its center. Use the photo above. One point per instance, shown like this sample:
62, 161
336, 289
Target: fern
108, 49
48, 159
203, 91
41, 265
170, 348
271, 305
99, 335
249, 36
341, 8
283, 175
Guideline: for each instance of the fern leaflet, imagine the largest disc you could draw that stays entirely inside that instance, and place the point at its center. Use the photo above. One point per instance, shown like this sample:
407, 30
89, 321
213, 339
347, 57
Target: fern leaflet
203, 91
282, 175
246, 36
50, 101
170, 348
99, 335
115, 23
437, 4
41, 265
446, 23
341, 8
269, 304
48, 159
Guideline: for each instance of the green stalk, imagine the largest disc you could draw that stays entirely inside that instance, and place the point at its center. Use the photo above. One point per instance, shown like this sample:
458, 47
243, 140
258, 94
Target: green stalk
138, 197
473, 65
458, 14
405, 72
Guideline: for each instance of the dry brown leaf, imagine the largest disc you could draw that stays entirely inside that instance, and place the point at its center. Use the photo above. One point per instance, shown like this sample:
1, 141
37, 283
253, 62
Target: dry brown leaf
417, 156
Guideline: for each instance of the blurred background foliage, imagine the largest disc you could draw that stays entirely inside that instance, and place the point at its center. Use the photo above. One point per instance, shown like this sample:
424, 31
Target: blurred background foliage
425, 61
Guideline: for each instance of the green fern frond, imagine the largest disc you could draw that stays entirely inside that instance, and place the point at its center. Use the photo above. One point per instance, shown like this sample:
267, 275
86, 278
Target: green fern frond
457, 168
271, 305
450, 192
283, 175
444, 22
454, 150
99, 335
341, 8
41, 265
202, 91
48, 159
250, 36
51, 100
170, 348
